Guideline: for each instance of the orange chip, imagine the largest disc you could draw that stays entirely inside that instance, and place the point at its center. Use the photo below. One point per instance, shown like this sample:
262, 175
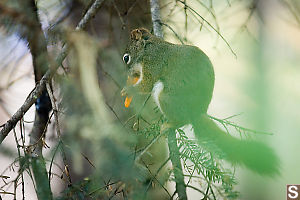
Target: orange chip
130, 81
127, 101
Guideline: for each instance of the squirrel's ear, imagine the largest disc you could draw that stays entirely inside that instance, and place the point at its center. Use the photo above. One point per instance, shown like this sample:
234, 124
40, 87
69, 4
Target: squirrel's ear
140, 34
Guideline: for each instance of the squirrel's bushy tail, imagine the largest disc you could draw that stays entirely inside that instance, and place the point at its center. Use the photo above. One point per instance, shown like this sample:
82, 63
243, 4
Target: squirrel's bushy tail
252, 154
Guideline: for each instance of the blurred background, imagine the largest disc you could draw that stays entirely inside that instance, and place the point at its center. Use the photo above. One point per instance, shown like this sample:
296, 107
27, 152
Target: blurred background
253, 45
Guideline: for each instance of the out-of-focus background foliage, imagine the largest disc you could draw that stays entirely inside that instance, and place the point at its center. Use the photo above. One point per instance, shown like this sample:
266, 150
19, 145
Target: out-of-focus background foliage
260, 81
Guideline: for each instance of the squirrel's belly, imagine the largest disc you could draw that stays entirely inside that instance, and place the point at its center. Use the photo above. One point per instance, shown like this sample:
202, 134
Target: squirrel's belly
181, 107
156, 91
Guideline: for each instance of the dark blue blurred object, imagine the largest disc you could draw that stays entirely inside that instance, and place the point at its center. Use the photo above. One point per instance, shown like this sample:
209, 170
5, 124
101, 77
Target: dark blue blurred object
43, 104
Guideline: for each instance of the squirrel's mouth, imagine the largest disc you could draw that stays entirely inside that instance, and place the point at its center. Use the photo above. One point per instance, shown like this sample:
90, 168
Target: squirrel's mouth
133, 79
136, 75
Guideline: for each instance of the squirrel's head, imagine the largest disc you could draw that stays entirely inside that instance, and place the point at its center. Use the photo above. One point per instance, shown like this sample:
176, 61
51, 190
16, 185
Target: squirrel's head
134, 57
139, 39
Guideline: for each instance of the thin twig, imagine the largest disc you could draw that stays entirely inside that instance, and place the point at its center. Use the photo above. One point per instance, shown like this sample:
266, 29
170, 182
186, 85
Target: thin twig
87, 159
210, 25
157, 172
177, 36
92, 11
19, 156
54, 107
185, 21
292, 10
22, 131
119, 14
155, 139
226, 122
190, 186
154, 177
52, 161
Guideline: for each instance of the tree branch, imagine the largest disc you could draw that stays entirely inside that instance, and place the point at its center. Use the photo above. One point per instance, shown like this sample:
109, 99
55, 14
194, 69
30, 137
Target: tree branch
89, 14
36, 93
20, 17
38, 49
40, 60
30, 100
176, 163
172, 142
156, 20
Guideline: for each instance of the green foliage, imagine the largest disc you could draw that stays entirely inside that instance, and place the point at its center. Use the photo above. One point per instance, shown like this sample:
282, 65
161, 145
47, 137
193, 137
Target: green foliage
41, 178
212, 174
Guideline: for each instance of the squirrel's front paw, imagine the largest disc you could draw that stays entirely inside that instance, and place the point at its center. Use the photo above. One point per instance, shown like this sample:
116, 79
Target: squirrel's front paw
124, 92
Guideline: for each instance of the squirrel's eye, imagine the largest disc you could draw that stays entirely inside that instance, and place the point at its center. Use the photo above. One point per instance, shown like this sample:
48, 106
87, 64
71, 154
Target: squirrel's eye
126, 58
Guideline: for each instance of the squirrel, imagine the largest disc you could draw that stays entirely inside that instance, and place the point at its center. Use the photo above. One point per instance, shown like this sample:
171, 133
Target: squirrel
180, 78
